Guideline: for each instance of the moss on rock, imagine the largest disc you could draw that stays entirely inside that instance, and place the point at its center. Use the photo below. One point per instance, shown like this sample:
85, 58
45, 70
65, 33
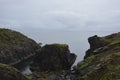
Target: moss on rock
15, 47
53, 57
9, 73
103, 63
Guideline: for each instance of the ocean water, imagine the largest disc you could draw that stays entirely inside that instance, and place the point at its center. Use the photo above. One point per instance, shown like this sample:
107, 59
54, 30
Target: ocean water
77, 40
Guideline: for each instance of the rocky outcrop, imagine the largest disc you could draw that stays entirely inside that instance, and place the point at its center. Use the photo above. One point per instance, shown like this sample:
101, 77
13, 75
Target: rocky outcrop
50, 62
95, 43
53, 57
15, 47
10, 73
103, 63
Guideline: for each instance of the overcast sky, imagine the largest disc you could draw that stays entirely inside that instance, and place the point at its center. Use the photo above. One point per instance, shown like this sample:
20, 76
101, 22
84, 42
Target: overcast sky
61, 14
61, 21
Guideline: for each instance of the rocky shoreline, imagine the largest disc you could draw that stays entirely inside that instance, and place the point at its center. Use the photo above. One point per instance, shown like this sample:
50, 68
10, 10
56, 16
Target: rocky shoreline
54, 61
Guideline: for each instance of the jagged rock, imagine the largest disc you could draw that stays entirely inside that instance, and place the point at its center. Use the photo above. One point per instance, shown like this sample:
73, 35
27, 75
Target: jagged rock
103, 63
15, 47
53, 57
10, 73
95, 43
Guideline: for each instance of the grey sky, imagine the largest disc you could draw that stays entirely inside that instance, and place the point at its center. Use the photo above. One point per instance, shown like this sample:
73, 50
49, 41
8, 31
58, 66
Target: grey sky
61, 14
62, 21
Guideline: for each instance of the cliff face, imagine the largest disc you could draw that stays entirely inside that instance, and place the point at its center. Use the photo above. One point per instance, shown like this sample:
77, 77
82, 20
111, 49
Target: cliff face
95, 43
53, 57
102, 60
53, 61
15, 47
9, 73
48, 61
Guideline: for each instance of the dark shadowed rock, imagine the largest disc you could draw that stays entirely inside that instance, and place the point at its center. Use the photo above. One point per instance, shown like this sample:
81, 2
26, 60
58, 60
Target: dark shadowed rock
10, 73
15, 47
95, 43
53, 57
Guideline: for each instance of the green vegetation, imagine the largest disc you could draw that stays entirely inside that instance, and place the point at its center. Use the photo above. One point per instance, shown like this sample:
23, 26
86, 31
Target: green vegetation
10, 37
9, 73
58, 45
87, 62
118, 53
113, 39
15, 47
105, 64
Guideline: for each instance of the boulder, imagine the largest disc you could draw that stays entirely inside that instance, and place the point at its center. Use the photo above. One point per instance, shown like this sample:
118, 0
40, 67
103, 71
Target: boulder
53, 57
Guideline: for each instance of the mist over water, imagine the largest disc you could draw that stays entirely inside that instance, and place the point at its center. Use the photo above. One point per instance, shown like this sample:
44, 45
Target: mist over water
77, 40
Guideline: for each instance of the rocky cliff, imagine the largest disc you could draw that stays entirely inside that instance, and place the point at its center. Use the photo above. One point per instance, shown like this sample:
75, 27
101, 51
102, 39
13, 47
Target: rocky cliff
95, 43
15, 47
52, 62
9, 73
53, 57
102, 60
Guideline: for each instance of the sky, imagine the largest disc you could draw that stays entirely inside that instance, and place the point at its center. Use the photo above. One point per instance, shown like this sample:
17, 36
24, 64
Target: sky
71, 15
62, 21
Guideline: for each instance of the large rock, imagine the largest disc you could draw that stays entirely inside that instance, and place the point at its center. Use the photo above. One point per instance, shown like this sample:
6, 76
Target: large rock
104, 61
95, 43
15, 47
10, 73
53, 57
